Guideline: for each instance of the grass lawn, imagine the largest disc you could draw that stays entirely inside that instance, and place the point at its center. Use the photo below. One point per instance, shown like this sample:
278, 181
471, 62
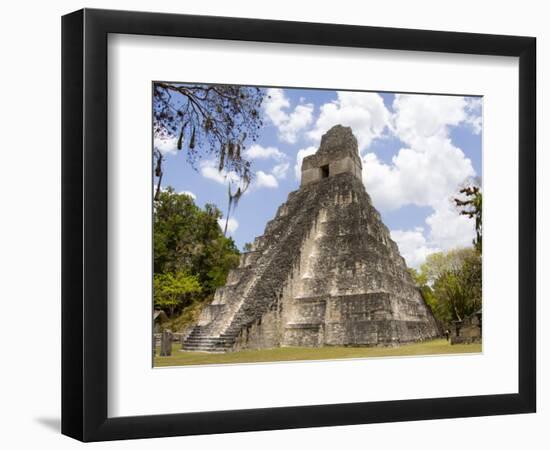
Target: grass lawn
435, 347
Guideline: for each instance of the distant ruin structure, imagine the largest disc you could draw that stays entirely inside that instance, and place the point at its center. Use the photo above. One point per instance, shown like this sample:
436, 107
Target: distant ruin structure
325, 271
467, 330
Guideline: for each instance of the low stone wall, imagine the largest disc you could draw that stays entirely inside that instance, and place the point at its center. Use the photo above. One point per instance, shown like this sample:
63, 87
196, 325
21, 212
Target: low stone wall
176, 337
467, 331
467, 334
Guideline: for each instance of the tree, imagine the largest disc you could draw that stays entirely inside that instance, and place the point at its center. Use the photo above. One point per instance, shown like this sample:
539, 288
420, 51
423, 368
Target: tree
188, 239
451, 283
207, 119
421, 281
173, 291
437, 264
458, 293
471, 206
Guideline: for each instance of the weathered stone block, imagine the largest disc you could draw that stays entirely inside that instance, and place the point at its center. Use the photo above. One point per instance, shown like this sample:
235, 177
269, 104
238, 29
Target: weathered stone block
467, 331
166, 343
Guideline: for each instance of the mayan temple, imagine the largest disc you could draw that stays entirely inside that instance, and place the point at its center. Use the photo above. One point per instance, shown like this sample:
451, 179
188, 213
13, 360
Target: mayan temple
325, 271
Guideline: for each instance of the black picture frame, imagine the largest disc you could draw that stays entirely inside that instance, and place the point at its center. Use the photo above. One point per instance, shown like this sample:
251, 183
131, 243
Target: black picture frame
84, 224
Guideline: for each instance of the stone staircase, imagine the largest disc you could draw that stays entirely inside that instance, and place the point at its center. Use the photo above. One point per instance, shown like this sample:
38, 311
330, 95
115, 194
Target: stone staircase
201, 341
253, 301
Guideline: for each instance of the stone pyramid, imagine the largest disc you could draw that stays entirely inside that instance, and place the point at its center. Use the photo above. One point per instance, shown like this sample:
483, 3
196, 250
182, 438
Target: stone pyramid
325, 271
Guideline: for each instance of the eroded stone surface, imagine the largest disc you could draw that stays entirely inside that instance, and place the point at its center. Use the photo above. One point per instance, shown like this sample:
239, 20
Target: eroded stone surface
325, 271
166, 343
467, 331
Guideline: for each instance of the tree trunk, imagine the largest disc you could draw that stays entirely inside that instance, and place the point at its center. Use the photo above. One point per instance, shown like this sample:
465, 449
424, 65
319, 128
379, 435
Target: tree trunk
157, 190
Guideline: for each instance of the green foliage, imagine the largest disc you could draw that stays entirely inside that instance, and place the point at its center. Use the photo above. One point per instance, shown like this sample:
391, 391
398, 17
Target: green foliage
451, 283
191, 255
188, 315
421, 281
174, 290
437, 264
458, 293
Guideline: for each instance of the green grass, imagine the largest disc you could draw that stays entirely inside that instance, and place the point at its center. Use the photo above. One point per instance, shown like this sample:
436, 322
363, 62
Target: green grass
434, 347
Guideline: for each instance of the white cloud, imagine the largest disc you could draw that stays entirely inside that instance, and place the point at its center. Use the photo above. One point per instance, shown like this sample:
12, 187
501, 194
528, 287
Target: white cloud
450, 229
420, 117
288, 123
232, 224
263, 179
474, 104
274, 104
431, 168
209, 169
474, 107
421, 176
166, 146
476, 122
364, 112
302, 153
280, 170
413, 246
256, 151
190, 194
447, 230
300, 118
427, 171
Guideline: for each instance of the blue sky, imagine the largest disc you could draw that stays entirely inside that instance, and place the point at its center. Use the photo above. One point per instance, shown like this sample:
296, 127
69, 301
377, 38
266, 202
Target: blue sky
417, 150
